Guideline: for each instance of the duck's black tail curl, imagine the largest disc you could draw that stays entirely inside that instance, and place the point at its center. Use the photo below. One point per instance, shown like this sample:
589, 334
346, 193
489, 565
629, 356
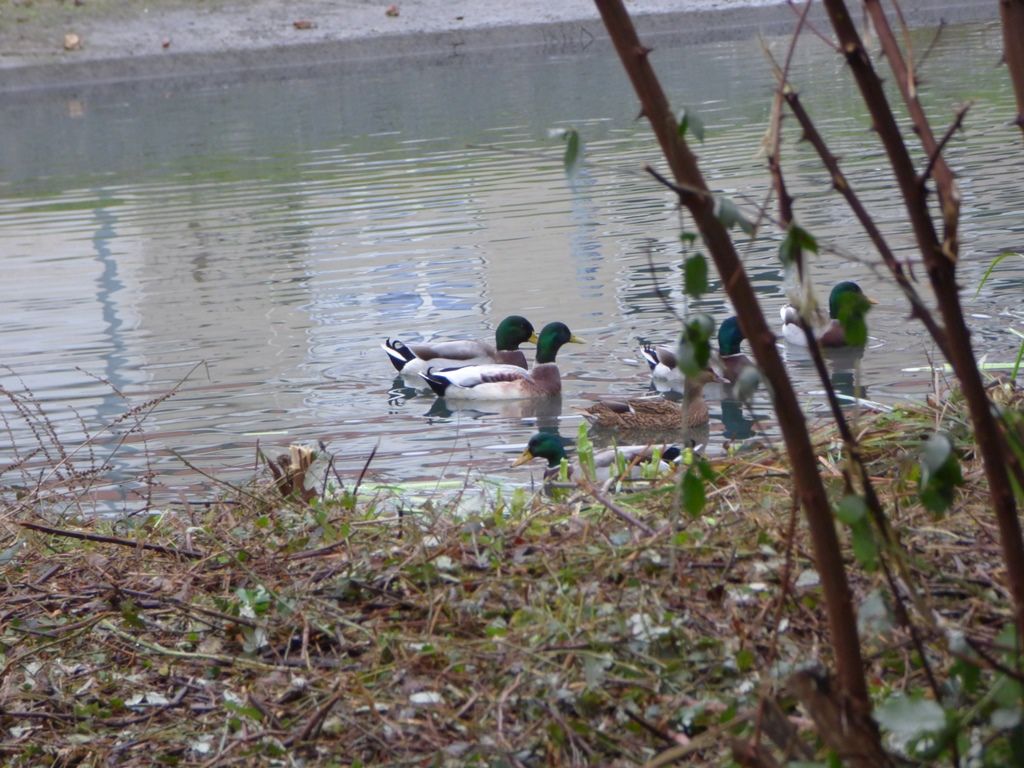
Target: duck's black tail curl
671, 453
398, 353
437, 383
650, 355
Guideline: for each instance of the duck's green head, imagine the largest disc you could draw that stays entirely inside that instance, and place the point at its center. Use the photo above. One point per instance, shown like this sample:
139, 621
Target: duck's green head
839, 294
513, 331
730, 337
544, 445
552, 337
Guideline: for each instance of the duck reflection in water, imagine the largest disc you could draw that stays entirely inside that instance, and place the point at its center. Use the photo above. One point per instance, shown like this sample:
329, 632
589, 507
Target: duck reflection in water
544, 411
401, 393
845, 370
846, 375
739, 425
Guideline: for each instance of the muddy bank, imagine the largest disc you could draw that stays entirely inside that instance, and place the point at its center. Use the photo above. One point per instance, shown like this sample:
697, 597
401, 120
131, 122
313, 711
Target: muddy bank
214, 40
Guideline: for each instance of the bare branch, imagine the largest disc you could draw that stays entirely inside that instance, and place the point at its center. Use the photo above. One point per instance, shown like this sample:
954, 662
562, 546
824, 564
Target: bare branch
1012, 14
842, 185
810, 490
940, 261
937, 154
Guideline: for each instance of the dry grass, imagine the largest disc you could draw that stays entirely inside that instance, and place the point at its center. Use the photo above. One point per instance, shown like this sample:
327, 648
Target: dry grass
548, 632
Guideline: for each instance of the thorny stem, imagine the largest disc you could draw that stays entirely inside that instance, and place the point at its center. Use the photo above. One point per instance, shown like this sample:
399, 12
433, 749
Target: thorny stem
786, 218
809, 486
902, 69
852, 446
941, 267
842, 185
1012, 14
935, 155
853, 451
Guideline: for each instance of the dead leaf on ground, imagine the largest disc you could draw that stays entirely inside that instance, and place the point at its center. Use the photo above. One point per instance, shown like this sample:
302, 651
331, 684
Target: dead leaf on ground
391, 11
72, 42
304, 24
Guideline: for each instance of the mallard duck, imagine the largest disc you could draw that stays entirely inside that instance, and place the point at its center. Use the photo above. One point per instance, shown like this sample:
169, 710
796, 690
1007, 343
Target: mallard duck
831, 335
733, 361
546, 445
507, 382
413, 359
664, 365
654, 413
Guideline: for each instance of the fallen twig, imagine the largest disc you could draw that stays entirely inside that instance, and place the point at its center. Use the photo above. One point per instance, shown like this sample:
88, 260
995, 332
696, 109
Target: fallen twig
164, 550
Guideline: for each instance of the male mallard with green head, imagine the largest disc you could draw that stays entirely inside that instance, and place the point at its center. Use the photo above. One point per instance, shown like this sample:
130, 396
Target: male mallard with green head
414, 359
733, 361
548, 446
664, 367
832, 334
507, 382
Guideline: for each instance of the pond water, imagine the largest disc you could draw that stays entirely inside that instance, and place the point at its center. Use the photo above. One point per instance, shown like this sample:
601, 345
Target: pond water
274, 231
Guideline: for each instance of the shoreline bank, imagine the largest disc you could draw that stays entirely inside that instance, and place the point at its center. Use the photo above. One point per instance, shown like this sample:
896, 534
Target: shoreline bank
217, 44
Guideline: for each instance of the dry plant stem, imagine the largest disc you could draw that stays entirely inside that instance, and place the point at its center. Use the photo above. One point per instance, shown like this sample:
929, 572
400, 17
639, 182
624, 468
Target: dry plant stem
113, 540
315, 722
786, 219
147, 408
842, 625
614, 508
949, 193
818, 33
1012, 14
774, 139
942, 274
785, 585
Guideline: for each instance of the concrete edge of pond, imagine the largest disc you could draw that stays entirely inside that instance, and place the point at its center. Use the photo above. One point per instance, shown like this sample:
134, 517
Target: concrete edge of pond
276, 52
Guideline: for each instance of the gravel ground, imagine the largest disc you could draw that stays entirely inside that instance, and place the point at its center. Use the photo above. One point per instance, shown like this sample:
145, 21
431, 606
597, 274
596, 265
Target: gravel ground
72, 42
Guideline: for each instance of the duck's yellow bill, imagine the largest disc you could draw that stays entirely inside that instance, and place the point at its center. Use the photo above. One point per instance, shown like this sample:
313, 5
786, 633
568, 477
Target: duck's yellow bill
533, 338
524, 457
574, 339
870, 300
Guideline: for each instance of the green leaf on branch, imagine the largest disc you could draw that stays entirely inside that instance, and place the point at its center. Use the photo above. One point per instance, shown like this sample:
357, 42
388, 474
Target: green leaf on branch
865, 548
585, 452
690, 121
797, 240
969, 674
874, 617
730, 215
694, 351
940, 473
851, 509
853, 310
695, 275
693, 493
910, 719
704, 467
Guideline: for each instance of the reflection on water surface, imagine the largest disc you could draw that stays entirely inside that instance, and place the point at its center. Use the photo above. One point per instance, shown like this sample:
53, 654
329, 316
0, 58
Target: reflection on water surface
277, 232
